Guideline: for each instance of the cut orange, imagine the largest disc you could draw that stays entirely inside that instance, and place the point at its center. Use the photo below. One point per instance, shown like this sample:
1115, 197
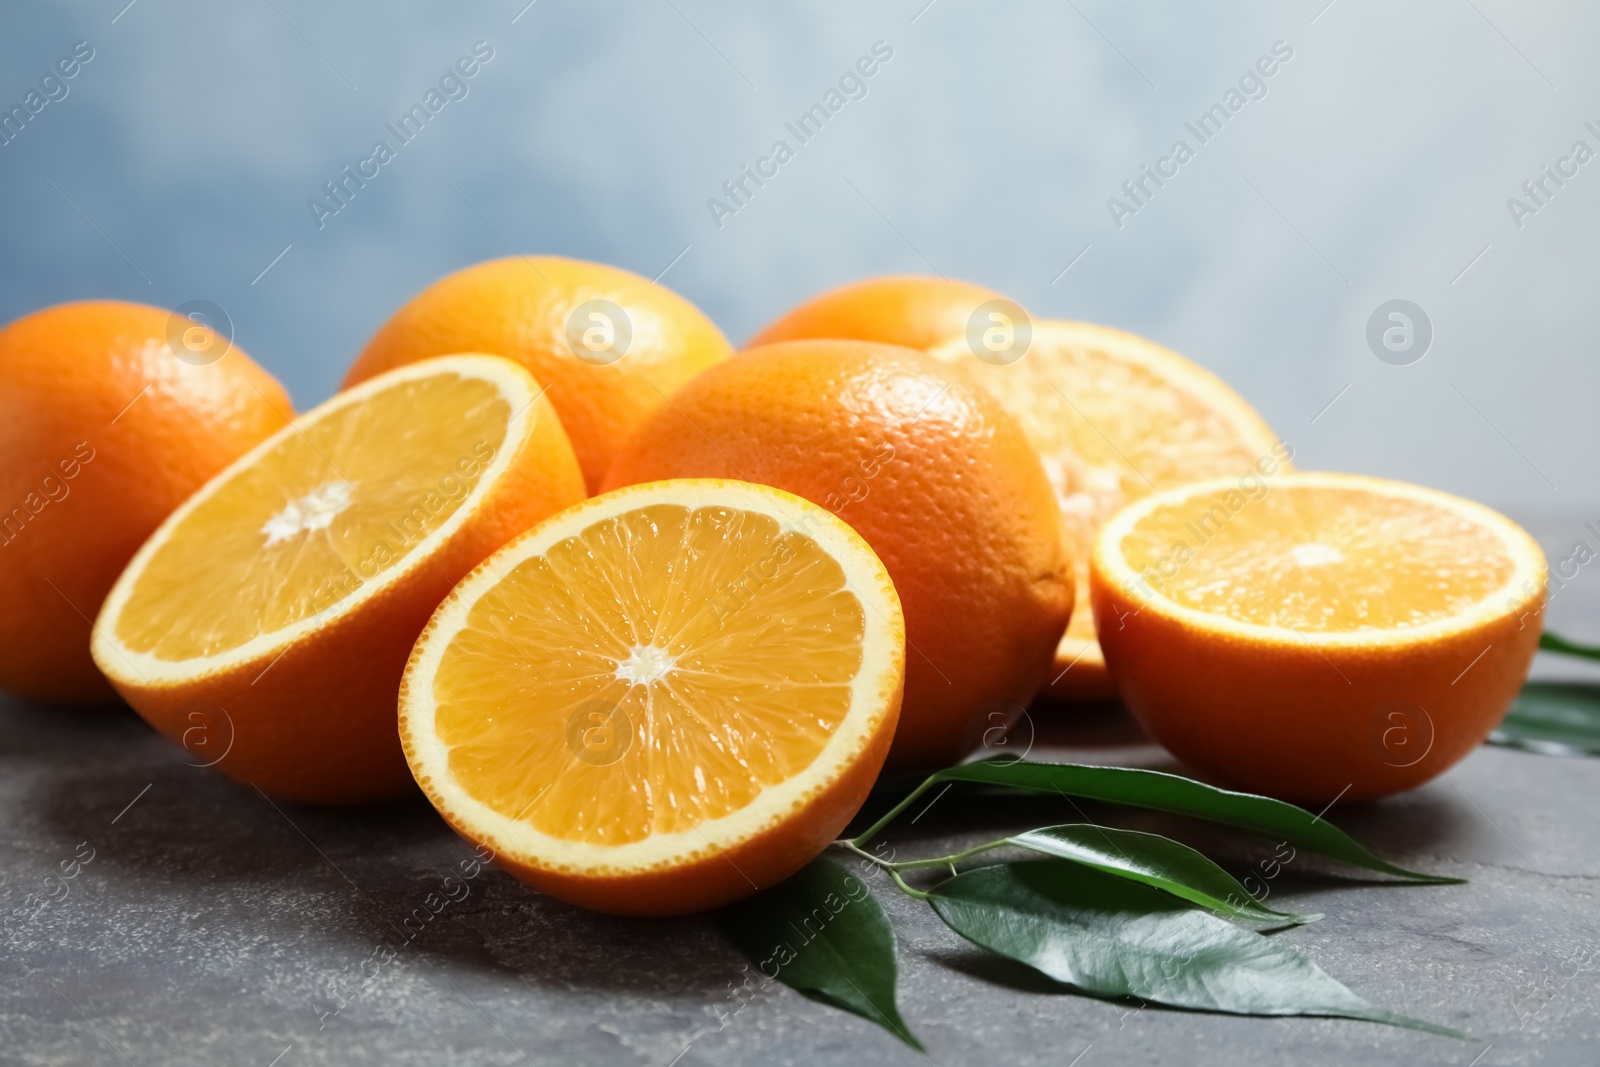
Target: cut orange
1317, 636
1116, 417
266, 623
662, 699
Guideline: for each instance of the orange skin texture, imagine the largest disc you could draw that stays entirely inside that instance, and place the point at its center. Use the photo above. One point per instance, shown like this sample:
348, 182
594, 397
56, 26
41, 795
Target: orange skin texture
518, 308
961, 514
318, 725
69, 376
909, 310
720, 876
1275, 717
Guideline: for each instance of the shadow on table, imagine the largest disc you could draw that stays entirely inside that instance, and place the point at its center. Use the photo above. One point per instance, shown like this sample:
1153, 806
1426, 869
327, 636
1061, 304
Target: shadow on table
336, 885
196, 841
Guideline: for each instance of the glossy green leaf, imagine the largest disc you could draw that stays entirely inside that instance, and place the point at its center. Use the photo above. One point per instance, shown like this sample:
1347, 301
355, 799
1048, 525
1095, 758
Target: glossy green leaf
1157, 861
822, 934
1173, 793
1549, 642
1555, 718
1112, 937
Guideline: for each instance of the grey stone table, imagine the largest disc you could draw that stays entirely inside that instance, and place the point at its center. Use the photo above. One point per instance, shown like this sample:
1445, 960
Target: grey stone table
205, 925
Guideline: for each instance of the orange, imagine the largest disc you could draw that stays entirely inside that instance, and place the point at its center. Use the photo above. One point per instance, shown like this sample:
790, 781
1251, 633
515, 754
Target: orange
936, 476
1115, 418
110, 415
1319, 636
608, 344
909, 310
628, 733
266, 623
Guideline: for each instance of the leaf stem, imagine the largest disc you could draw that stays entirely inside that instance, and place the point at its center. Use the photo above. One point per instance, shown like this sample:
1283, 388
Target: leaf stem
936, 861
887, 865
950, 860
901, 882
877, 828
851, 846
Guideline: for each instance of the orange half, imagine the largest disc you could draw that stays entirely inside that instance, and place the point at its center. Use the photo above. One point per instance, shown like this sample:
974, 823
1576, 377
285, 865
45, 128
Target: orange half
662, 699
266, 622
1319, 636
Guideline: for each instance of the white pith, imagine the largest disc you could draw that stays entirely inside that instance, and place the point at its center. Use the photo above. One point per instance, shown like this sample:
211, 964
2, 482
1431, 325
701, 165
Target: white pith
314, 511
646, 664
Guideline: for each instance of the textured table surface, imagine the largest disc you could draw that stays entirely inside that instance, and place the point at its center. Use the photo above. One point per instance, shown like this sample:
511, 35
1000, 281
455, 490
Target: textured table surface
212, 927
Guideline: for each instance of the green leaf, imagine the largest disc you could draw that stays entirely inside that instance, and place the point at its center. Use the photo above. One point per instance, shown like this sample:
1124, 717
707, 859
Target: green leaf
1550, 642
822, 934
1555, 718
1157, 861
1110, 937
1173, 793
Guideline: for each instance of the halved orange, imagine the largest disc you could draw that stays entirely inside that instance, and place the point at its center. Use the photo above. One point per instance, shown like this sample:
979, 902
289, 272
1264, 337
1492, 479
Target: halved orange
266, 623
662, 699
1116, 417
1317, 636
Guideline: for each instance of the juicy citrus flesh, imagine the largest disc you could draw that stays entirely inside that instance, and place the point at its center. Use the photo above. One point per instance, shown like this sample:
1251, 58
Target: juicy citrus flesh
631, 627
655, 675
1318, 558
1321, 637
1115, 418
315, 517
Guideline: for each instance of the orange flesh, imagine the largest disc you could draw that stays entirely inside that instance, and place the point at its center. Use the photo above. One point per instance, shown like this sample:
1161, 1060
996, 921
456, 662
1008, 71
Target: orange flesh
657, 670
1318, 559
314, 518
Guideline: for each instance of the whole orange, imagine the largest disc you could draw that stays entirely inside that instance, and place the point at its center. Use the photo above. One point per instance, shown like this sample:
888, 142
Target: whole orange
608, 344
933, 473
103, 431
910, 310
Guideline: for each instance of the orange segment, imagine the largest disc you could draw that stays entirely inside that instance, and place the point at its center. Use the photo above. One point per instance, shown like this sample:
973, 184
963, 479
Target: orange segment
661, 698
269, 618
1320, 635
1116, 417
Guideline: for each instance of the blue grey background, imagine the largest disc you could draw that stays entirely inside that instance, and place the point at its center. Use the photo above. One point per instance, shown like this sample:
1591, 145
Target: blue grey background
1378, 166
